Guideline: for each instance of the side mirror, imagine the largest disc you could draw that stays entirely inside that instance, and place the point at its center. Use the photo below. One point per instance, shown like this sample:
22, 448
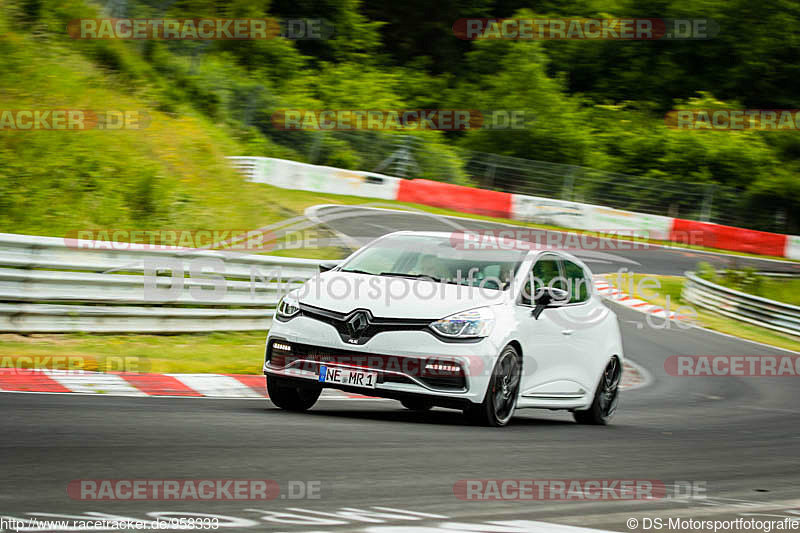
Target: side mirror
324, 267
549, 297
558, 296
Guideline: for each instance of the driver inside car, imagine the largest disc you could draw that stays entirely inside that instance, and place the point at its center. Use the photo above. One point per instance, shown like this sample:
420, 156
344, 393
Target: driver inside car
430, 265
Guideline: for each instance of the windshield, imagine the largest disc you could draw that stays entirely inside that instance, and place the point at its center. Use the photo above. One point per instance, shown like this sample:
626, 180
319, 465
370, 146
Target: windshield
437, 258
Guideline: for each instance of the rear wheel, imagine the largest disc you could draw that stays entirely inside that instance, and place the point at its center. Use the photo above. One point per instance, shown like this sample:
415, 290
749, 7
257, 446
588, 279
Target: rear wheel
606, 398
501, 397
289, 396
417, 404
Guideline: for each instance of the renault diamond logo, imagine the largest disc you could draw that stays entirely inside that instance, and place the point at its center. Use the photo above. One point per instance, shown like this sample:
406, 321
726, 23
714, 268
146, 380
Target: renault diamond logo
357, 323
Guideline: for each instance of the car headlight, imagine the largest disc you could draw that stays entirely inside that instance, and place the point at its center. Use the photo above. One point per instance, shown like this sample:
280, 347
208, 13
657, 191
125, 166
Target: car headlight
287, 308
474, 323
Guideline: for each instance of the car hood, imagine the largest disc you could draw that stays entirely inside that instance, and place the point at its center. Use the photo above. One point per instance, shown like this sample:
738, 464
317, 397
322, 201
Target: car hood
393, 297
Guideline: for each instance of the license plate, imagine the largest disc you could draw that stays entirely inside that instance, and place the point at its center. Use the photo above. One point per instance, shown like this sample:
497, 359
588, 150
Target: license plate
344, 376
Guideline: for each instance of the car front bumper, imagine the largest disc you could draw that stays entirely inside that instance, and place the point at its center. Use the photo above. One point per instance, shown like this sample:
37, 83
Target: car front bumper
403, 361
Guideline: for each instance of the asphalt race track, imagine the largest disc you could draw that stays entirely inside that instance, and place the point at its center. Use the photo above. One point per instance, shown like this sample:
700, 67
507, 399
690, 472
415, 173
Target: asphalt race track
735, 439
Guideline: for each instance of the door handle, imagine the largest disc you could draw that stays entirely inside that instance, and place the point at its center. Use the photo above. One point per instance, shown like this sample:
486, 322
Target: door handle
567, 331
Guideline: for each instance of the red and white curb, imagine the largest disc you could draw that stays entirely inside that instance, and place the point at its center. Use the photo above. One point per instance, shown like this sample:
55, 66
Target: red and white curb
610, 292
136, 384
185, 385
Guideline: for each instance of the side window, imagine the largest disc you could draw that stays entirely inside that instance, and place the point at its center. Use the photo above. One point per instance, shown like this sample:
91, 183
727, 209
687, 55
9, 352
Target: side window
543, 273
578, 284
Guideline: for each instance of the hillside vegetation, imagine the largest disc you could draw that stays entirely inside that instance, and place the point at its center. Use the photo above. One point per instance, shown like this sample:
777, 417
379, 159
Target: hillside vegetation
595, 104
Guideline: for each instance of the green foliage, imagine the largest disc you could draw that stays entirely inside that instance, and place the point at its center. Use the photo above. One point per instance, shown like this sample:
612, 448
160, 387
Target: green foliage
706, 271
556, 130
596, 104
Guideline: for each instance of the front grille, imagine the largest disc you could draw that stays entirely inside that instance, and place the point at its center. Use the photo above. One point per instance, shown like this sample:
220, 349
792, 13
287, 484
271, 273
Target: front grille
384, 365
375, 324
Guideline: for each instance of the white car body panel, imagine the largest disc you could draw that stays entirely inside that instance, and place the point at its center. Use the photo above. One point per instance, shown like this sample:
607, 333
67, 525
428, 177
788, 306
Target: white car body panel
564, 351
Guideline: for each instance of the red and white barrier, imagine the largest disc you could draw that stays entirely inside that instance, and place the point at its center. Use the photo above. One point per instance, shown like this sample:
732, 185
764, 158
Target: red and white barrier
456, 197
573, 215
728, 238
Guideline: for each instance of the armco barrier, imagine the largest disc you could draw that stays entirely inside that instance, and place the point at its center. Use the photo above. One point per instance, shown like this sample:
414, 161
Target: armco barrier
766, 313
728, 237
47, 285
456, 197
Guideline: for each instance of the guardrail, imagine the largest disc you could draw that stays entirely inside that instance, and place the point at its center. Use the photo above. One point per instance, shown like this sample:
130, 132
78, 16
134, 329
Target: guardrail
762, 312
48, 285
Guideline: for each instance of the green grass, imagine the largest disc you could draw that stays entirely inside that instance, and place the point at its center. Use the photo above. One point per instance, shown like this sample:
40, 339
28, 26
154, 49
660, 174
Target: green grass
671, 286
785, 290
782, 290
229, 352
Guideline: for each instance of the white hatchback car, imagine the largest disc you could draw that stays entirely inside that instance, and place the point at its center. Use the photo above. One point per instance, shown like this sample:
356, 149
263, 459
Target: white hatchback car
431, 319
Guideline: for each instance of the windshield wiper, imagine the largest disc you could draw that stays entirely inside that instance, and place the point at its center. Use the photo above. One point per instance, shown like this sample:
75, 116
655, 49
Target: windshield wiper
410, 276
357, 271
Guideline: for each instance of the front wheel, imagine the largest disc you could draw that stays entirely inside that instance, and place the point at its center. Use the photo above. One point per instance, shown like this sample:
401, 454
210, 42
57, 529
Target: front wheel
501, 397
290, 397
606, 398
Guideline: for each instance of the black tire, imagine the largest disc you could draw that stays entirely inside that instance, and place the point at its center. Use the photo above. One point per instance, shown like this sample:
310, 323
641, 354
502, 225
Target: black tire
289, 396
498, 406
417, 404
606, 398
